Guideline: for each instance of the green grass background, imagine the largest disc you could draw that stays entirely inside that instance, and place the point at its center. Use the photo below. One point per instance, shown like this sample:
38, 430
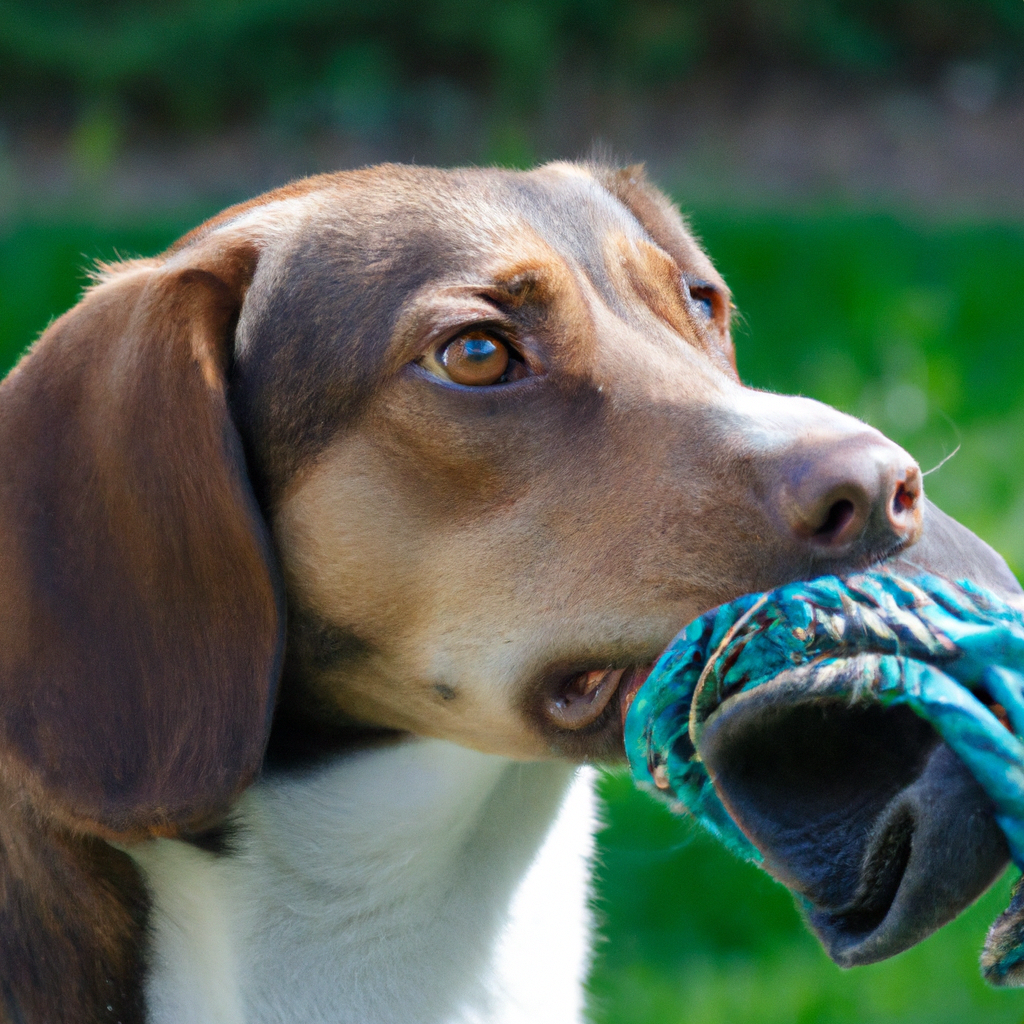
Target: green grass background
918, 329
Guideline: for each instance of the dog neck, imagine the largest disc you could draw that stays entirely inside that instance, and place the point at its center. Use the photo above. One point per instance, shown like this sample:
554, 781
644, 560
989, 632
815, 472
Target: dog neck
420, 881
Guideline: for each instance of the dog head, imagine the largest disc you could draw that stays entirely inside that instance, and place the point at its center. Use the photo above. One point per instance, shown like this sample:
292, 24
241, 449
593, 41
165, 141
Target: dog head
504, 453
449, 453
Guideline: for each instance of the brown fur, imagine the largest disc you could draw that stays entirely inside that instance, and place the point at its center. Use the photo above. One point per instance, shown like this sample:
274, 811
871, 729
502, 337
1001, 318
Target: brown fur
138, 623
72, 924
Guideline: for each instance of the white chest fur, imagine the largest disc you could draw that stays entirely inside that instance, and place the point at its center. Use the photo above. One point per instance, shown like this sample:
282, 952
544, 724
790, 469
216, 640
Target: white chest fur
417, 884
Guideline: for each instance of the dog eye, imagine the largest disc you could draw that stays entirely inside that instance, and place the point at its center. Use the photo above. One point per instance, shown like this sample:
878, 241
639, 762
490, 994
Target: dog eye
703, 299
477, 359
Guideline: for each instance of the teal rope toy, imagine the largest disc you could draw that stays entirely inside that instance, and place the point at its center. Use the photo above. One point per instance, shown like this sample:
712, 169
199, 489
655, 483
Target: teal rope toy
872, 638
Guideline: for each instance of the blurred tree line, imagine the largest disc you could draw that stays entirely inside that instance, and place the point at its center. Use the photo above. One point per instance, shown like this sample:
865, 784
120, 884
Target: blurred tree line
199, 64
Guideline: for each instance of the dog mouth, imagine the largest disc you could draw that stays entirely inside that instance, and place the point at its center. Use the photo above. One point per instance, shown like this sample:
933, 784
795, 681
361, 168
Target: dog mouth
581, 699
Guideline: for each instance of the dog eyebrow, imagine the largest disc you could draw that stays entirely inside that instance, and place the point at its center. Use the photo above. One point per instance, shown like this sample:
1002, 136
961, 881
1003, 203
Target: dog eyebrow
515, 288
520, 286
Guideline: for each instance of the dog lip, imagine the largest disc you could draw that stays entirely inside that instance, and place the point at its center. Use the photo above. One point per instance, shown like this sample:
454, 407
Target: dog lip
580, 699
629, 687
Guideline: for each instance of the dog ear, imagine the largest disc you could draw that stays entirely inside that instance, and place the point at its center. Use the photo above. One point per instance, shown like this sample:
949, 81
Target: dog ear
141, 621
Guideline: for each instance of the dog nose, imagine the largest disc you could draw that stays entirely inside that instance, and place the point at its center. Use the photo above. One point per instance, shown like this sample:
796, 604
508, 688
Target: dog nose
859, 491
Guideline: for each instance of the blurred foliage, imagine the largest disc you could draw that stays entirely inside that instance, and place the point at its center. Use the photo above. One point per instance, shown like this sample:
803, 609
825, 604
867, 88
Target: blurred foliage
919, 330
200, 63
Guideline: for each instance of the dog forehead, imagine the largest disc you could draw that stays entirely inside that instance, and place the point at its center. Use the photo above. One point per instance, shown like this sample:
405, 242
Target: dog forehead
342, 260
395, 212
360, 245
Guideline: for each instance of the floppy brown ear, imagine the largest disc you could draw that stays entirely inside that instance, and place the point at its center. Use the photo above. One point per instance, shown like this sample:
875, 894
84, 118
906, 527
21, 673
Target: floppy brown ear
140, 614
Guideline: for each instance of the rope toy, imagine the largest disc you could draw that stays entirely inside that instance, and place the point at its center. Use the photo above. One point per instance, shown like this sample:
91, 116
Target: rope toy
875, 637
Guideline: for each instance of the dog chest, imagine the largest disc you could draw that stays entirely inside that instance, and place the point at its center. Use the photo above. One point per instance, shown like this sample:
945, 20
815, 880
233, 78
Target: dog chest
419, 882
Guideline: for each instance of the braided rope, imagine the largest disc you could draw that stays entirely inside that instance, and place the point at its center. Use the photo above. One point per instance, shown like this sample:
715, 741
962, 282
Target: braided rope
923, 642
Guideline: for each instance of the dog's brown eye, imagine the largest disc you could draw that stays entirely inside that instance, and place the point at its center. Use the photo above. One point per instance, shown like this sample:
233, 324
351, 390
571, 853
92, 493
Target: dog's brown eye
476, 359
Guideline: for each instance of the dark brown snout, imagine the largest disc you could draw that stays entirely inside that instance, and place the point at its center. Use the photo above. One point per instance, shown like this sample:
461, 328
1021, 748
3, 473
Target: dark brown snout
858, 491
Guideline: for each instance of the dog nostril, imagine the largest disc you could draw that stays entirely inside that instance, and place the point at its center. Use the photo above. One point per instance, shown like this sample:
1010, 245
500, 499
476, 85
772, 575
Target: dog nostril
851, 498
839, 515
905, 504
903, 500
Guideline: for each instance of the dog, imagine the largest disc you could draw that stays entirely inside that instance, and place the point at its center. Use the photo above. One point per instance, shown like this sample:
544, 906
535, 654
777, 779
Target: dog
333, 539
